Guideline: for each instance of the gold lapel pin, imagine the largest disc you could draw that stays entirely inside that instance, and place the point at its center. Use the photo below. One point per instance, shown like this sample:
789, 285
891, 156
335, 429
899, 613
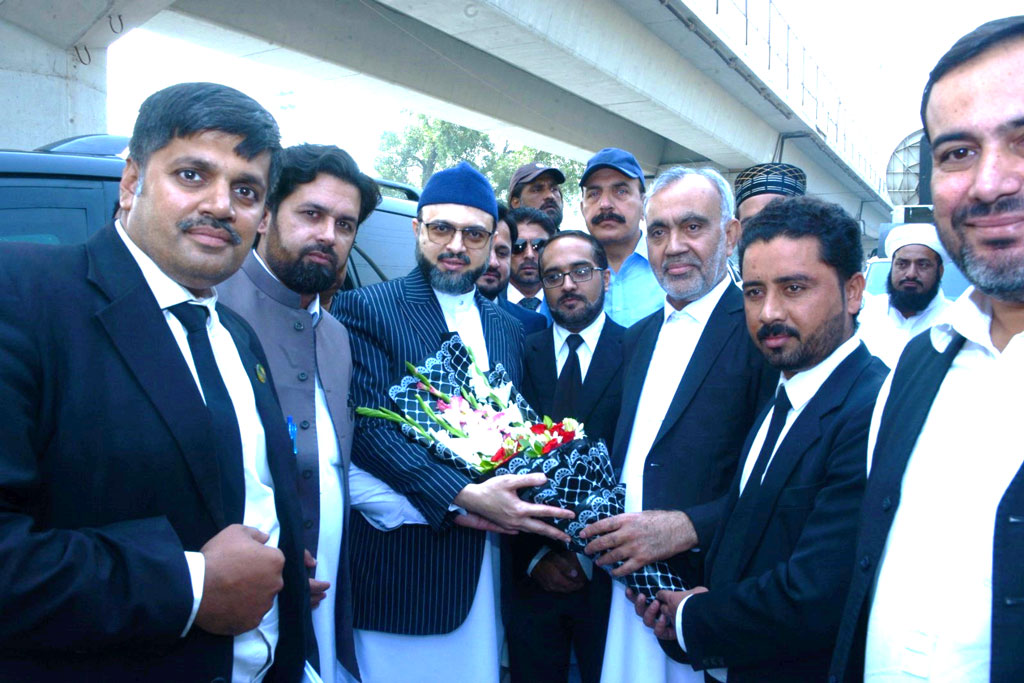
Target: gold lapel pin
261, 374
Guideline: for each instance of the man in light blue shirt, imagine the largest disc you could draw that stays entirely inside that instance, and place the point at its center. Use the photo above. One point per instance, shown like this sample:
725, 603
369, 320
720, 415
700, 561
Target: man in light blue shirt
612, 205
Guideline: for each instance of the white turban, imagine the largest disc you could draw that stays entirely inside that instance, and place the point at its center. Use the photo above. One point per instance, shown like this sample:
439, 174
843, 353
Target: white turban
914, 233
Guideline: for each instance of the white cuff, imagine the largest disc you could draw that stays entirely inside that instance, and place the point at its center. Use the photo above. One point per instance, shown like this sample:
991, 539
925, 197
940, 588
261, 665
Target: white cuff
197, 571
383, 507
679, 624
537, 558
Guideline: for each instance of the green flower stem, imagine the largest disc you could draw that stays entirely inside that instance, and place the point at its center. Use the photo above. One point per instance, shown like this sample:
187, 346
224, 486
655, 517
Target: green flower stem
490, 390
440, 420
470, 398
391, 416
426, 382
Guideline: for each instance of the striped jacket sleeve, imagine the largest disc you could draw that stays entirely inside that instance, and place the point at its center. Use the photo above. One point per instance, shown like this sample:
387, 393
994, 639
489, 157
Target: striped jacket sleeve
378, 332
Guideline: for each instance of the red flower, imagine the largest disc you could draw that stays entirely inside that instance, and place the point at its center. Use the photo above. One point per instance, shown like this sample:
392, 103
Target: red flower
538, 428
501, 456
550, 446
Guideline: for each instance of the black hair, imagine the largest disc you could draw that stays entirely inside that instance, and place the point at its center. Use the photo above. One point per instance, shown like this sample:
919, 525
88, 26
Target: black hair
979, 40
301, 164
527, 214
189, 108
600, 256
837, 232
513, 229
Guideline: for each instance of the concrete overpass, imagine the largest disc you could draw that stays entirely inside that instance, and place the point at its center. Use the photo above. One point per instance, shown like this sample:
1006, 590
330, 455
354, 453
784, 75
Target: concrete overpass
695, 83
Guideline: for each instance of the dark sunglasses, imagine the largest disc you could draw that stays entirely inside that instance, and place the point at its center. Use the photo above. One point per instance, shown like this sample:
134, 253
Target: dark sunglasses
519, 246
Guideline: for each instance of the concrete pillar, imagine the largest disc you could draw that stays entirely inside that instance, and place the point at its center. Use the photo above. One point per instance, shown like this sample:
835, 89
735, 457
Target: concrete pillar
48, 94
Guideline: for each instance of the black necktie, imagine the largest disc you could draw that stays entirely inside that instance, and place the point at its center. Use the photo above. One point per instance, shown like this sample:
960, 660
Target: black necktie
779, 413
227, 441
530, 303
570, 382
733, 535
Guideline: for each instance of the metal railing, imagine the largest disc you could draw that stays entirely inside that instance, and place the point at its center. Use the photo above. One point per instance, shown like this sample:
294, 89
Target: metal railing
757, 33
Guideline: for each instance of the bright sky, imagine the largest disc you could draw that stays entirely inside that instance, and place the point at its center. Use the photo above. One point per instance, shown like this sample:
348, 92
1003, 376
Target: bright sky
876, 52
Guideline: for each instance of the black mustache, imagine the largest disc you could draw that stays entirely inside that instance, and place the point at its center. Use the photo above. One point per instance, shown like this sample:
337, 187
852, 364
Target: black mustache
190, 223
326, 250
568, 297
608, 216
775, 330
452, 255
980, 209
912, 279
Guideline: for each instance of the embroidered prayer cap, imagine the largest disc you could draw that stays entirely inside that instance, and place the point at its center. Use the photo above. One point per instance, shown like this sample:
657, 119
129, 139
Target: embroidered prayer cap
771, 178
914, 233
527, 172
616, 159
461, 184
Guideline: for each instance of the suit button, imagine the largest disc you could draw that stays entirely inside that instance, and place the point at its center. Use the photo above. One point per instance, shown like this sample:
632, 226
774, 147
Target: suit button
304, 424
886, 504
306, 474
308, 524
299, 326
865, 563
303, 377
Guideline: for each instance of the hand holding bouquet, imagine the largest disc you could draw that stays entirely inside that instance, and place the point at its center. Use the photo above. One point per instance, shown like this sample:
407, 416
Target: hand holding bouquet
481, 425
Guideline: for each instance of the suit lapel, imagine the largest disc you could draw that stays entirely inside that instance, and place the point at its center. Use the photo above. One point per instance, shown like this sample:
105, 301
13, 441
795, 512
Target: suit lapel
423, 312
719, 328
603, 365
139, 331
543, 369
799, 440
636, 373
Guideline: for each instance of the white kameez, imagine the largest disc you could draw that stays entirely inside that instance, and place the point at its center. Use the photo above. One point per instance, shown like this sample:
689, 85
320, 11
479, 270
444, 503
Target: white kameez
469, 654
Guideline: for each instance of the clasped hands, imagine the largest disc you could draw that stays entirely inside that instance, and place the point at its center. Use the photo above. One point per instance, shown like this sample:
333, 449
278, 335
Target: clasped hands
660, 614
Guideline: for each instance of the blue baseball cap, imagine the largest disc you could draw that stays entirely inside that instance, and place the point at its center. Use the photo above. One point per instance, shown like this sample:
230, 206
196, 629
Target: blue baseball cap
616, 159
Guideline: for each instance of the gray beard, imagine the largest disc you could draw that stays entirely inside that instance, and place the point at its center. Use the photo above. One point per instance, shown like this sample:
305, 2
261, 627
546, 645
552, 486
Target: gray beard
447, 283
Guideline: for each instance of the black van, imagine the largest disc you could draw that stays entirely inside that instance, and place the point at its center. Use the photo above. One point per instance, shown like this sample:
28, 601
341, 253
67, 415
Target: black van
64, 192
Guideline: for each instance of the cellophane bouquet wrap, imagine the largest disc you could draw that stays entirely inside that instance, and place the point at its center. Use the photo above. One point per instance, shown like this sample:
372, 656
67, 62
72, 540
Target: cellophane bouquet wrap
481, 425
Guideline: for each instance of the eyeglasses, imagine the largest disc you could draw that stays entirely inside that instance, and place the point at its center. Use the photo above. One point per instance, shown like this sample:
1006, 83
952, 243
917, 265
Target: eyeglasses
519, 246
577, 275
474, 237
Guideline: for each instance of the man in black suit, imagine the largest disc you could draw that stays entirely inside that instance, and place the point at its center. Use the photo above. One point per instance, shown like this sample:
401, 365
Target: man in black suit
938, 579
780, 543
572, 369
493, 283
425, 602
692, 388
141, 429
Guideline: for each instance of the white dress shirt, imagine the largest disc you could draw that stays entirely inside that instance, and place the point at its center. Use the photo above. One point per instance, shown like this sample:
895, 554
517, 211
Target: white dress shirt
800, 389
585, 351
886, 331
631, 653
253, 650
461, 315
931, 614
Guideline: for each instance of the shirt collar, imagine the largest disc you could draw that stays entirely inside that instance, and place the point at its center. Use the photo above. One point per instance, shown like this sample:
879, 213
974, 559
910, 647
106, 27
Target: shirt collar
456, 303
801, 387
591, 333
314, 306
971, 317
701, 309
166, 291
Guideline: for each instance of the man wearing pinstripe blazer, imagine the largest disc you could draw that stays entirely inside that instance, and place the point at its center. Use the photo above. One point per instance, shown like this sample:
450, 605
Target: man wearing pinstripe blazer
425, 599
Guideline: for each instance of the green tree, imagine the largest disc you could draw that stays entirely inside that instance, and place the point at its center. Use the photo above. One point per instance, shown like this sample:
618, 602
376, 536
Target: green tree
429, 145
